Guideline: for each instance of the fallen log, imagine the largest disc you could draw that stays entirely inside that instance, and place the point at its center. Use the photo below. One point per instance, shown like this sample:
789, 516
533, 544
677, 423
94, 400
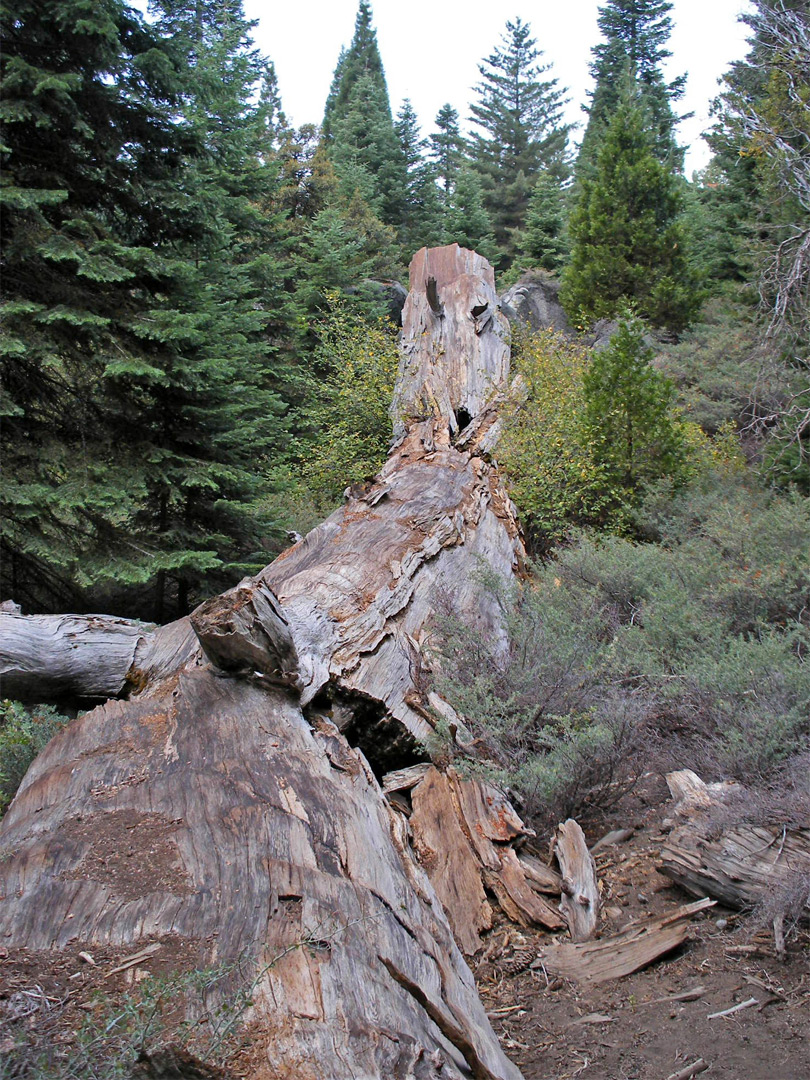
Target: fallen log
232, 802
612, 958
741, 865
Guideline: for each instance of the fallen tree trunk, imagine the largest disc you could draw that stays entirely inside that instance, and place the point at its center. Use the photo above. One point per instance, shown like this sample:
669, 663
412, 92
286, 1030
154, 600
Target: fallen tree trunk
741, 865
233, 803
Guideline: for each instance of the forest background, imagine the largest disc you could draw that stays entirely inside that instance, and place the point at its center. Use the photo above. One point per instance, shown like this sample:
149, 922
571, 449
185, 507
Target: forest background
197, 353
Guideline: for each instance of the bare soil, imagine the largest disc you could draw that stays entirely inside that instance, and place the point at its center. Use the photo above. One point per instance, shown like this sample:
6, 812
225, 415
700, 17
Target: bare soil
626, 1029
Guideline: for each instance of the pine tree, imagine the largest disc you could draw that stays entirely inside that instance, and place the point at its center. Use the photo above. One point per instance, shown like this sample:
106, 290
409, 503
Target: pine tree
361, 58
629, 418
542, 243
635, 34
627, 242
521, 131
447, 149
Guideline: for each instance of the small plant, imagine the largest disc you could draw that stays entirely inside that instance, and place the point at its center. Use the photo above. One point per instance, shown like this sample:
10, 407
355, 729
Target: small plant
23, 734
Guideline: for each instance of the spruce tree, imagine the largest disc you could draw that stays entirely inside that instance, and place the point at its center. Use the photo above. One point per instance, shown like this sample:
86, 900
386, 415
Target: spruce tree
627, 241
519, 116
635, 34
447, 149
358, 126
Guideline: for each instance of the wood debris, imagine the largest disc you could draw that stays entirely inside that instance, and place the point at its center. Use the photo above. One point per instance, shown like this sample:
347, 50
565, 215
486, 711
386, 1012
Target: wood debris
612, 958
580, 891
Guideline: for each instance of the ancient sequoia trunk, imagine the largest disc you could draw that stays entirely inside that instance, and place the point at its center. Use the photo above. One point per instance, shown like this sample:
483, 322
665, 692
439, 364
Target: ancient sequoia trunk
233, 801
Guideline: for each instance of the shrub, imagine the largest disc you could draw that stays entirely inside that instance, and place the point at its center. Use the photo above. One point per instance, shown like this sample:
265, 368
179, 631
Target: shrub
23, 734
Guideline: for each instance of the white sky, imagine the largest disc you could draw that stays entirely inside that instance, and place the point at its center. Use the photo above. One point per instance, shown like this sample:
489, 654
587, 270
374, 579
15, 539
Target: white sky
431, 50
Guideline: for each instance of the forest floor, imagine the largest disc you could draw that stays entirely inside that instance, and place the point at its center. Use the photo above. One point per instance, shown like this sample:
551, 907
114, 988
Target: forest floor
635, 1028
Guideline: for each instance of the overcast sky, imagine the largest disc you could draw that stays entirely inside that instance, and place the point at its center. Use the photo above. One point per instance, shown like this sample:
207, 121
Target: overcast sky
431, 50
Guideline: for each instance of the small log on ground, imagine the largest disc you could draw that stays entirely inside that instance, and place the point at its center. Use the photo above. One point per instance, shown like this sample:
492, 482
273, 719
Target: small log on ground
741, 865
613, 958
580, 890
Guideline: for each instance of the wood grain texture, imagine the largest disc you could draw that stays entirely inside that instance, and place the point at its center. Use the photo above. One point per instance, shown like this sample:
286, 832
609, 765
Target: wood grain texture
741, 866
580, 890
636, 947
277, 845
212, 809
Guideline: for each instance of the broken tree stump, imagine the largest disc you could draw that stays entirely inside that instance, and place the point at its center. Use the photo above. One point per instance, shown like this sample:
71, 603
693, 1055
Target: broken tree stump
233, 801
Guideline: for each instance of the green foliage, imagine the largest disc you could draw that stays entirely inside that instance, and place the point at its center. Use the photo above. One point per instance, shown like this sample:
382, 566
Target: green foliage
447, 149
519, 117
536, 696
466, 220
629, 421
635, 33
565, 450
543, 241
24, 733
616, 655
626, 239
545, 451
348, 417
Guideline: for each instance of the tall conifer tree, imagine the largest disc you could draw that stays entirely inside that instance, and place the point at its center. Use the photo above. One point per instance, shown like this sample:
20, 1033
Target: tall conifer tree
635, 33
519, 116
627, 242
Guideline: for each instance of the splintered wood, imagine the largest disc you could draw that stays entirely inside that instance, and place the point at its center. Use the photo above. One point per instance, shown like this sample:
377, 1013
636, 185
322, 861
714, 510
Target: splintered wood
741, 866
580, 891
636, 947
462, 834
278, 834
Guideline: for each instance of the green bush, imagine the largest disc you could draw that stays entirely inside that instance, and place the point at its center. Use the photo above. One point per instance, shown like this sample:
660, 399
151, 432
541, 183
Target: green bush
697, 645
23, 734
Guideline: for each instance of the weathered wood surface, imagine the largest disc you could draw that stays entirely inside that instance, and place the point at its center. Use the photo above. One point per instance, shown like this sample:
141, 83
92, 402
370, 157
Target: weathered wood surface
632, 949
462, 833
85, 657
455, 341
741, 865
580, 890
214, 813
209, 808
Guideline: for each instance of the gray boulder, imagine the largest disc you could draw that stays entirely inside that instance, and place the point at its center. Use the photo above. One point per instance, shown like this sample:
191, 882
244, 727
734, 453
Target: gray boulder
534, 301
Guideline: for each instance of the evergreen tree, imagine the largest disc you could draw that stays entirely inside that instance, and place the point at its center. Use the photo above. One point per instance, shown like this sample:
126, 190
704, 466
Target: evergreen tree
543, 241
361, 58
521, 131
142, 393
629, 419
635, 34
91, 169
467, 222
420, 223
358, 127
626, 238
447, 149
